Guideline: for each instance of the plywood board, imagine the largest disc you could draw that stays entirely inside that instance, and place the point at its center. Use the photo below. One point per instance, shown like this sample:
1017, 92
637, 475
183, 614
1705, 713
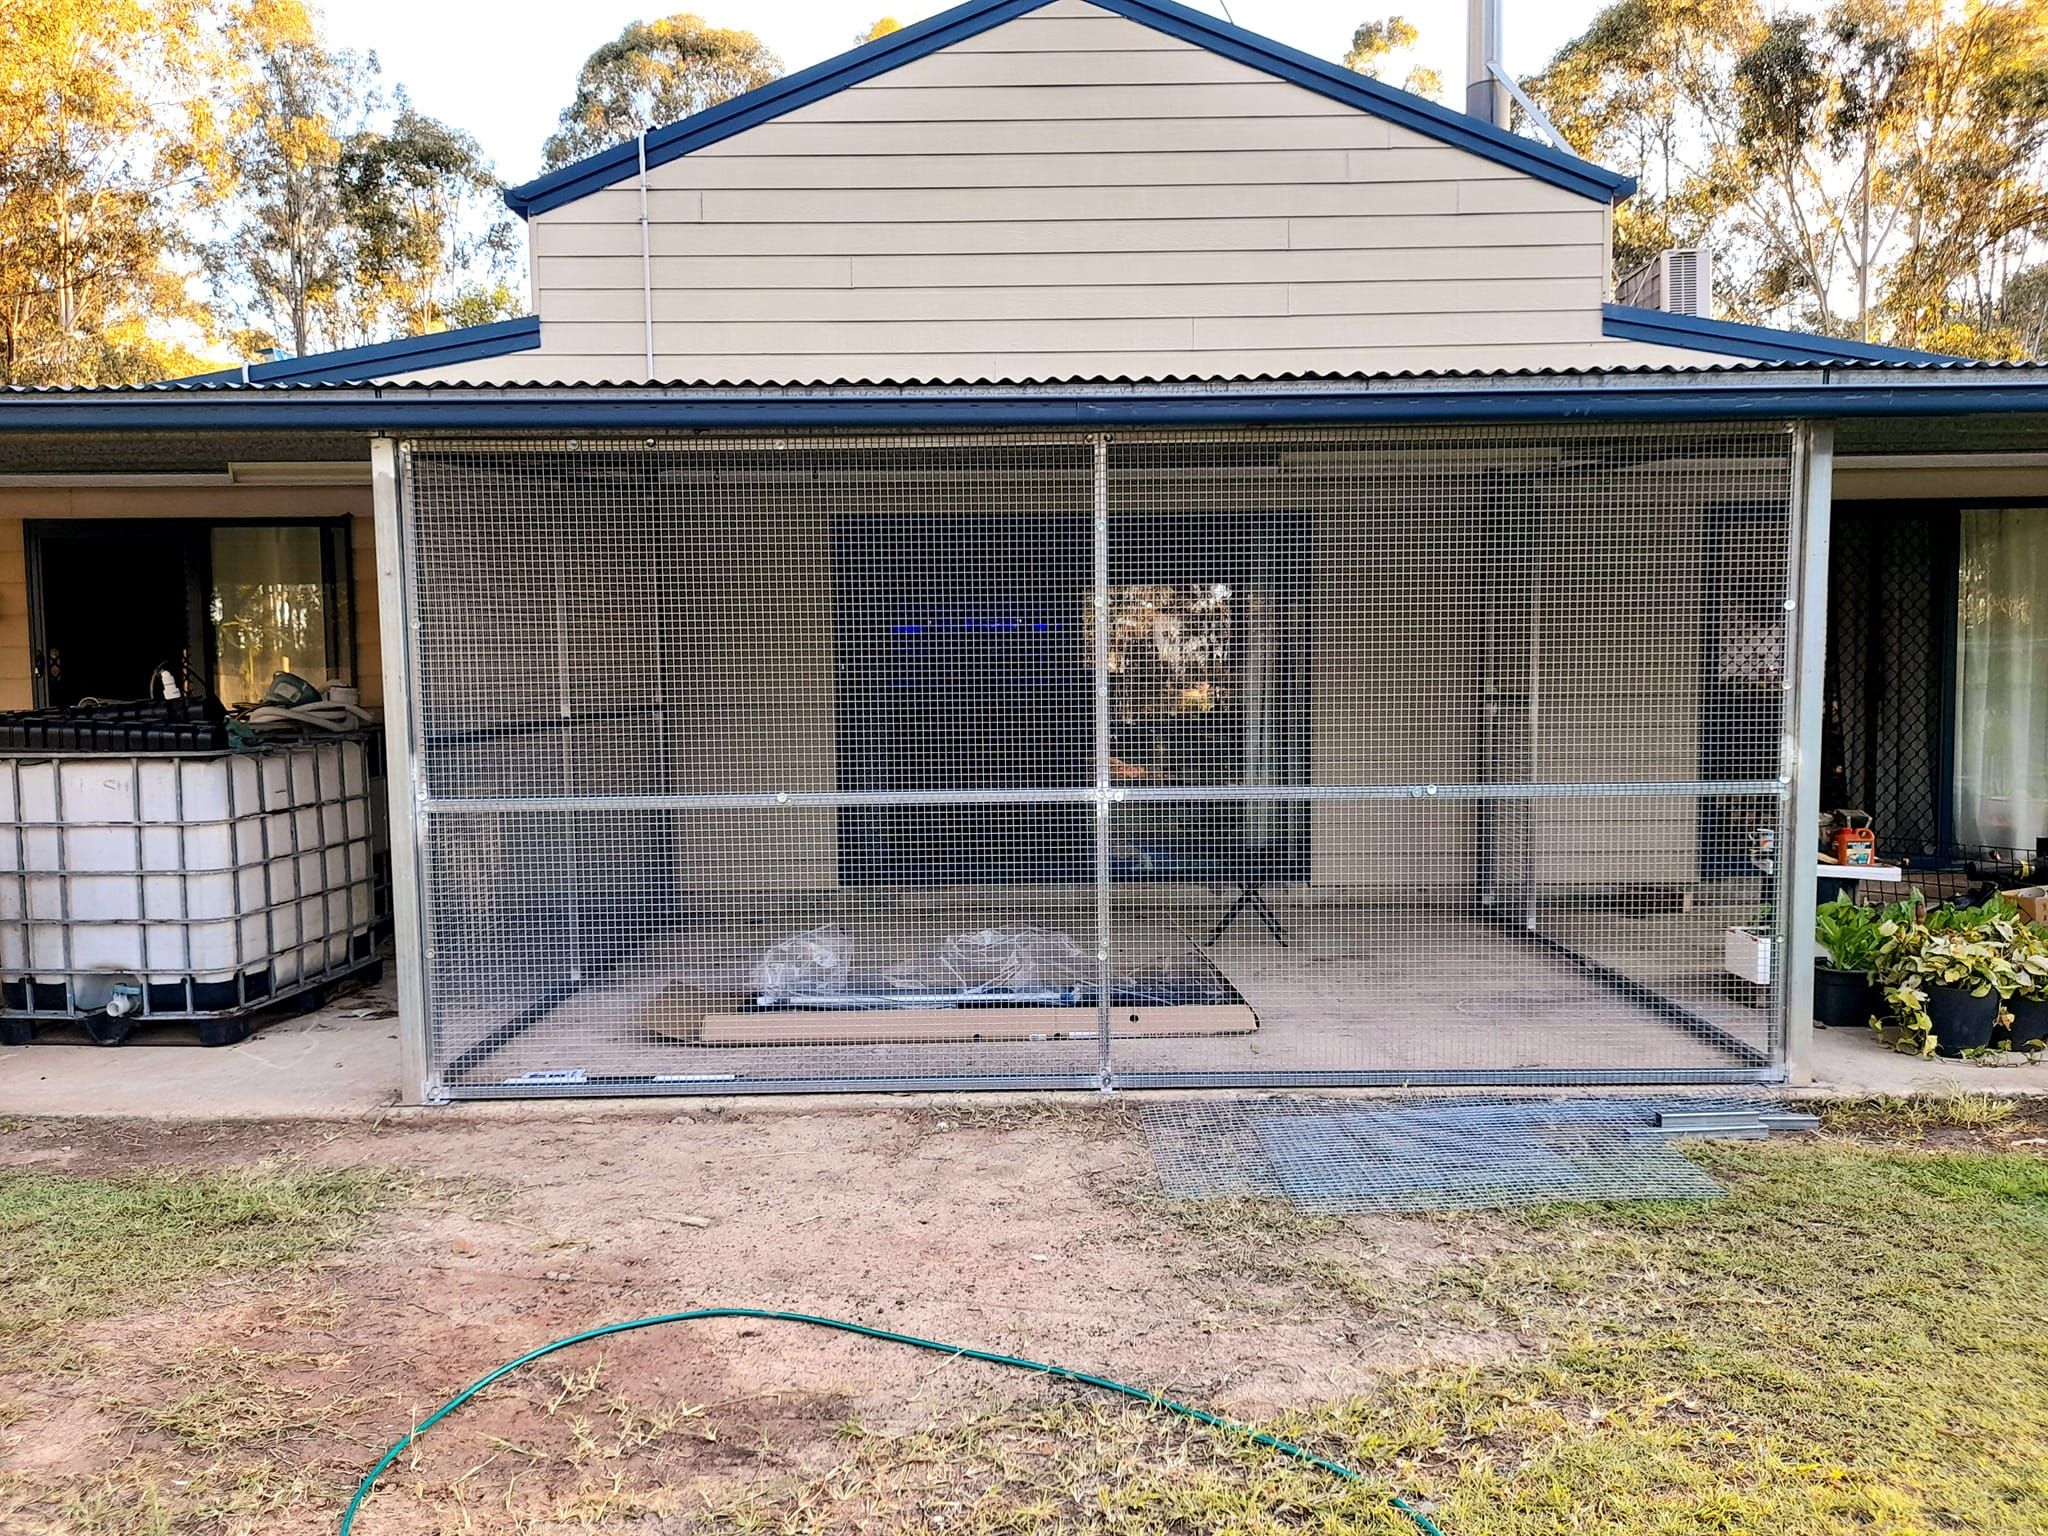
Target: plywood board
869, 1026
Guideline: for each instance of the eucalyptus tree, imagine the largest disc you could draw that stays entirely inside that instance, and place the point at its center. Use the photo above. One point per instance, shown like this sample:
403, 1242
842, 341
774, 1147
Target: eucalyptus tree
656, 72
108, 129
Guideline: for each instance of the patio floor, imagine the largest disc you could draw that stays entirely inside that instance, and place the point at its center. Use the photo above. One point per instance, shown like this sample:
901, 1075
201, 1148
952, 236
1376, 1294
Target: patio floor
1352, 991
1357, 988
342, 1062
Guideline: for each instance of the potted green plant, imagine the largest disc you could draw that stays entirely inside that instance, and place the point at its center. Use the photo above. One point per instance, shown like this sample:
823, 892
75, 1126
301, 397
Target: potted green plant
1944, 978
1848, 944
2026, 1005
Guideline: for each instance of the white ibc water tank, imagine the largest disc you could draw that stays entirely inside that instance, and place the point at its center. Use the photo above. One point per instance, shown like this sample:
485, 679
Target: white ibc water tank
195, 874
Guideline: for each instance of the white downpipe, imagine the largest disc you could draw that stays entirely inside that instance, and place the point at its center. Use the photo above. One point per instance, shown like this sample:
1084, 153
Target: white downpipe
646, 264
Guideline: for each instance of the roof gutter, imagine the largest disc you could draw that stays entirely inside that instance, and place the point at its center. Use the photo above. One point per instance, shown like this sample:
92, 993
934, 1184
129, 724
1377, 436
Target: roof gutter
1820, 394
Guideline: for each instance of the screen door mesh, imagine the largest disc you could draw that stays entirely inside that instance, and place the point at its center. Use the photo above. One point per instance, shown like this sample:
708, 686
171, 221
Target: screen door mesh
1290, 757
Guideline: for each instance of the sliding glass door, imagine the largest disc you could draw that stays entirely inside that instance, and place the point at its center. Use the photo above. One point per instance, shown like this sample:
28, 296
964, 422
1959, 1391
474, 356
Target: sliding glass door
218, 607
2001, 785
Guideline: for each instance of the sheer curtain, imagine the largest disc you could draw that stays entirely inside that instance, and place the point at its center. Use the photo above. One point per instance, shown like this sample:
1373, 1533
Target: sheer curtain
272, 610
2002, 679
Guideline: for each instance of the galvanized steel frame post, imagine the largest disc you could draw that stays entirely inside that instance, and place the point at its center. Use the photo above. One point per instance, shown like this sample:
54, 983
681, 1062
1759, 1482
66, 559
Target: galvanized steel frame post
402, 771
1813, 462
1099, 581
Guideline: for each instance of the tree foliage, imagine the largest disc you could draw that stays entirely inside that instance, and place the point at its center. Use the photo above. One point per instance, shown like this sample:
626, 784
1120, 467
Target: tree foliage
1869, 168
1380, 46
881, 28
174, 172
282, 263
177, 171
105, 132
656, 72
431, 242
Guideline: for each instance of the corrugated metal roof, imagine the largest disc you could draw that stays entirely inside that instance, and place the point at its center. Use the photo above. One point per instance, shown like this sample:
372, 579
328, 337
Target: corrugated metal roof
1673, 372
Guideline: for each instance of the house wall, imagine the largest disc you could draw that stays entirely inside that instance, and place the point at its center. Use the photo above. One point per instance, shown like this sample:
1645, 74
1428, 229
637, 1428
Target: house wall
1395, 697
1070, 194
22, 504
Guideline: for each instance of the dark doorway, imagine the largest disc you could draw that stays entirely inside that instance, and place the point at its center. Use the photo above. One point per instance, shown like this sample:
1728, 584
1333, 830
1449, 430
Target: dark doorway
962, 659
1888, 742
115, 607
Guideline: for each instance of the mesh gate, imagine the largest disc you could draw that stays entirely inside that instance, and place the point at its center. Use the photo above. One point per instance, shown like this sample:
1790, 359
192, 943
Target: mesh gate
1288, 758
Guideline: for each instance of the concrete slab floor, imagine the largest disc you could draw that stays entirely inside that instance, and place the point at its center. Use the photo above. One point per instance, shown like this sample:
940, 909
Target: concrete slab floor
343, 1061
340, 1061
1854, 1063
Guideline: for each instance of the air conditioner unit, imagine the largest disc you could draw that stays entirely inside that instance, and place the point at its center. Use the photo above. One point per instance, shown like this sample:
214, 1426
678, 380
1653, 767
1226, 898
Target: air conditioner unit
1681, 282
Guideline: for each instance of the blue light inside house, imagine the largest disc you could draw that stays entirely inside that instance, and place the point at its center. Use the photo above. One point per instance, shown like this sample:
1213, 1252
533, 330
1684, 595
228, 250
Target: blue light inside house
981, 649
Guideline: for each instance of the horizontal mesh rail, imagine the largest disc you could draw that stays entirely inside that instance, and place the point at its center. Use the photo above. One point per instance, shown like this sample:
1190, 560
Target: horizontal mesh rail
1345, 756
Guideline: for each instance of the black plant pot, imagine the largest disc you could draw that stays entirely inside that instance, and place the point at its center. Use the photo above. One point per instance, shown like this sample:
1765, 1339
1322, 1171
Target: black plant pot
1842, 999
2029, 1020
1962, 1020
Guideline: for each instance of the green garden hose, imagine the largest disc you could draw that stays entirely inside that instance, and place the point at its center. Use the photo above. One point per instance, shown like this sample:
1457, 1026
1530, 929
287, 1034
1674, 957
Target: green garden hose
1258, 1437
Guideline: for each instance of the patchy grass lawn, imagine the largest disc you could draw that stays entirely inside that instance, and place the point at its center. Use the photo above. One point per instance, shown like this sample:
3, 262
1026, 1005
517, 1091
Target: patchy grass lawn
1854, 1341
74, 1248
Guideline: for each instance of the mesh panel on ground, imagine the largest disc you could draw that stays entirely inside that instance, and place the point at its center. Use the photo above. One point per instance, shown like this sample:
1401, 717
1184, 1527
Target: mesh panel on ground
1428, 1154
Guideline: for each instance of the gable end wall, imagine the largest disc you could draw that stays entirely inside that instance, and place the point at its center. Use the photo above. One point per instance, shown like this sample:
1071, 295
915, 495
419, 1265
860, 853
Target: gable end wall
1070, 194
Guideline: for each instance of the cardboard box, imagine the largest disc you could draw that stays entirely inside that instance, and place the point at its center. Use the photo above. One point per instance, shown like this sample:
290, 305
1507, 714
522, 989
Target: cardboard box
2033, 902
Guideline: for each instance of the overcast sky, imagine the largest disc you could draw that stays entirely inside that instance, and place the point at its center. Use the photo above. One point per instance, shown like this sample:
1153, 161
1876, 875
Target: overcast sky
503, 69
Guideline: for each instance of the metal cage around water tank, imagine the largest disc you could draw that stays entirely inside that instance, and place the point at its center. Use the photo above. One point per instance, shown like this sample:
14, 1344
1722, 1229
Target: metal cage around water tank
187, 885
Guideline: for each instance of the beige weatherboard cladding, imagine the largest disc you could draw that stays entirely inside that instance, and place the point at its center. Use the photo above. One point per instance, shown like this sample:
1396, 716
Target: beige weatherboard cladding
1069, 194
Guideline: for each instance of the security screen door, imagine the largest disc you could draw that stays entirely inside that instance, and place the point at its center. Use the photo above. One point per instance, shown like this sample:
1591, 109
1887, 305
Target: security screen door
1274, 757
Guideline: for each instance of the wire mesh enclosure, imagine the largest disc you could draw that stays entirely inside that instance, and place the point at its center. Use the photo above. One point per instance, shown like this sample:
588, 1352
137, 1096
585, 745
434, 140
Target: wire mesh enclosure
1260, 757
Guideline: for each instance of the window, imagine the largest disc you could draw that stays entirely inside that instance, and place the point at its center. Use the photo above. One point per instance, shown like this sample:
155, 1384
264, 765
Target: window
222, 607
276, 606
1207, 649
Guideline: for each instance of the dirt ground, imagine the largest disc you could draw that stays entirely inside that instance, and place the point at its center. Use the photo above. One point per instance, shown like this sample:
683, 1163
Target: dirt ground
1024, 1231
253, 1402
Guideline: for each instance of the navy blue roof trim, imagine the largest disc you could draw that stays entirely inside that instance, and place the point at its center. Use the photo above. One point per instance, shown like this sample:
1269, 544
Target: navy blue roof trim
412, 408
358, 365
964, 21
1757, 342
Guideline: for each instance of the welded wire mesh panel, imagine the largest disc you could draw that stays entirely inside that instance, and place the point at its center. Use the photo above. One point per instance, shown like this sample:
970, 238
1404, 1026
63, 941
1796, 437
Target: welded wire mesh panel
1262, 756
1458, 752
1388, 957
756, 761
1431, 1154
619, 618
652, 949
